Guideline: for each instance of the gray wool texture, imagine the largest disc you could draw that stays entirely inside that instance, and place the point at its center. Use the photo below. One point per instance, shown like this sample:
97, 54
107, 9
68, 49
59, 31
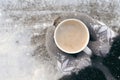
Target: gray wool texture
100, 42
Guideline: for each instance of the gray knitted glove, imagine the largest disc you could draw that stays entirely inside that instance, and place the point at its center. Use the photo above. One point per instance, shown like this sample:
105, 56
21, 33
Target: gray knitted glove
100, 43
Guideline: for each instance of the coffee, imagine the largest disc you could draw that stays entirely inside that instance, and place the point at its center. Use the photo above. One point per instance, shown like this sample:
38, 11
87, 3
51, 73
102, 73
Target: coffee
71, 36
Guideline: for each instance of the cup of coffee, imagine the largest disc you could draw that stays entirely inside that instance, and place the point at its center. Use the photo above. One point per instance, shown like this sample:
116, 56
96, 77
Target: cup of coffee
72, 36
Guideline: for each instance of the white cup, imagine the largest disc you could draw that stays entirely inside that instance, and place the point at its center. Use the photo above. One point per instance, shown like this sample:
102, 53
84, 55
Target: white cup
72, 36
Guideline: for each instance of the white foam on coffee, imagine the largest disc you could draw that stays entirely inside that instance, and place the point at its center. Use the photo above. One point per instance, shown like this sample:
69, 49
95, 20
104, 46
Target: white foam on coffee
71, 36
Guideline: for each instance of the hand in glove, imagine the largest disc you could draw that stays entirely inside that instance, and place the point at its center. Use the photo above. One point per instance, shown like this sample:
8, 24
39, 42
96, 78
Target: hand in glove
100, 42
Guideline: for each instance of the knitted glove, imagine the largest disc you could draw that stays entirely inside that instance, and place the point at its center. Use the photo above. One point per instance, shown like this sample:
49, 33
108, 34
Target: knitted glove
101, 37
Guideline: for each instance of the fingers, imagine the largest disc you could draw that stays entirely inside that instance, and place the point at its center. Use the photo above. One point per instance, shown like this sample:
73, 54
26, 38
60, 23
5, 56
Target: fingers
98, 48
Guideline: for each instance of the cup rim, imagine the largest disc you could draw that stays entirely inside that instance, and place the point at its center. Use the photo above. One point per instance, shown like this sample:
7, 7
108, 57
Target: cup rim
85, 45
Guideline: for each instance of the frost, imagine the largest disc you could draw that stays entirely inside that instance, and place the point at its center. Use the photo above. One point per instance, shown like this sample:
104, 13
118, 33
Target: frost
19, 19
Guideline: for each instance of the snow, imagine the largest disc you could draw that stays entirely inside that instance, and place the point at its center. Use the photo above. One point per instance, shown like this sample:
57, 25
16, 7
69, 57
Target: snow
14, 61
20, 20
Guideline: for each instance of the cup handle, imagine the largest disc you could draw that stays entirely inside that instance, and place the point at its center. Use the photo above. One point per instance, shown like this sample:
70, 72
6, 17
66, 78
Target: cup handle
88, 51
